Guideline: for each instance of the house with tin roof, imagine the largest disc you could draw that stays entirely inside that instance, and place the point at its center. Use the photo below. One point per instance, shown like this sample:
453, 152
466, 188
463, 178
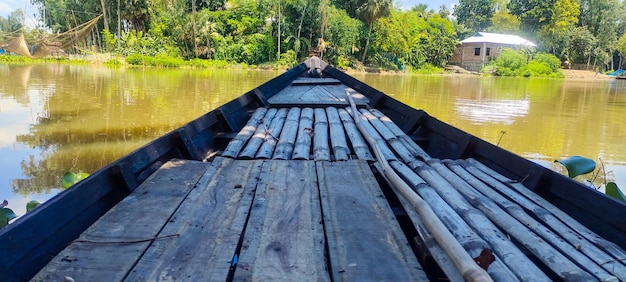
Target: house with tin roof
474, 52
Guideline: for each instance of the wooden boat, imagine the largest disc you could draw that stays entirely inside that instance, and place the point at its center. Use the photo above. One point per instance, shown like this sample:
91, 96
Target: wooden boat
288, 182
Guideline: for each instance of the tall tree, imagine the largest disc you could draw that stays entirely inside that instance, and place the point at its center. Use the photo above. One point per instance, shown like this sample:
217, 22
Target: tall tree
555, 35
13, 22
504, 22
533, 14
475, 14
370, 11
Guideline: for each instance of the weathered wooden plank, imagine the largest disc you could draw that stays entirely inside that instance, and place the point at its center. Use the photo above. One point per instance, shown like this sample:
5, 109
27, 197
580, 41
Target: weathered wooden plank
551, 257
415, 149
468, 238
364, 239
315, 81
210, 222
284, 147
503, 247
316, 94
260, 134
235, 145
387, 153
359, 146
111, 246
573, 236
321, 150
302, 151
284, 237
337, 135
276, 126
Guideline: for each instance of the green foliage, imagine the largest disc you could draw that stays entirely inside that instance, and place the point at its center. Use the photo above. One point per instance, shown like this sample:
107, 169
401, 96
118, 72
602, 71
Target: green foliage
31, 205
621, 45
109, 41
288, 58
475, 14
415, 40
504, 22
113, 63
581, 45
516, 63
6, 214
343, 62
13, 22
70, 178
577, 165
509, 63
160, 60
612, 190
533, 14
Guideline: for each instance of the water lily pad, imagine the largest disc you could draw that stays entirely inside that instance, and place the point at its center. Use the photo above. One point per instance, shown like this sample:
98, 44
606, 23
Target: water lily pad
6, 214
70, 178
31, 205
577, 165
614, 191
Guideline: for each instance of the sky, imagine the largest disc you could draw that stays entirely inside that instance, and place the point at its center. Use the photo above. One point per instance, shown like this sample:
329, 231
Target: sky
432, 4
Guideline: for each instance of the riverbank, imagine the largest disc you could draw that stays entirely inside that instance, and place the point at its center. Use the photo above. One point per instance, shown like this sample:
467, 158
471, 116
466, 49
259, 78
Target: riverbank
117, 61
585, 75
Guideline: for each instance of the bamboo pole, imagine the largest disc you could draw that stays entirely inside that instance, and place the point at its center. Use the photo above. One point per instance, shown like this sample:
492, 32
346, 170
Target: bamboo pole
287, 139
533, 202
462, 260
574, 243
395, 143
302, 151
415, 149
550, 256
428, 241
272, 133
259, 135
337, 135
466, 236
321, 151
364, 126
511, 255
235, 145
361, 149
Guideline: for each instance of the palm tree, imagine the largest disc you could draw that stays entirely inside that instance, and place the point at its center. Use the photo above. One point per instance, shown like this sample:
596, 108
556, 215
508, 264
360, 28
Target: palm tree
370, 11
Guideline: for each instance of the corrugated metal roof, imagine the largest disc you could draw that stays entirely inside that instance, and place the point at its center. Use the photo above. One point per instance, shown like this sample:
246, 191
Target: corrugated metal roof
485, 37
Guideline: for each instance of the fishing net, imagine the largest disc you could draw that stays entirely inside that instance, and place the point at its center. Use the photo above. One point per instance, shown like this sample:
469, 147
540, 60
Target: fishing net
54, 44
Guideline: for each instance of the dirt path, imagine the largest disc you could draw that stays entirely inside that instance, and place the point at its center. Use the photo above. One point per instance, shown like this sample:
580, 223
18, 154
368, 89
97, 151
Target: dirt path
584, 75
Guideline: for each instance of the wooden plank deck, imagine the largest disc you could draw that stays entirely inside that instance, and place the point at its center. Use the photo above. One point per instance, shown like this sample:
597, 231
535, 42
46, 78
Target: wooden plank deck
316, 92
250, 220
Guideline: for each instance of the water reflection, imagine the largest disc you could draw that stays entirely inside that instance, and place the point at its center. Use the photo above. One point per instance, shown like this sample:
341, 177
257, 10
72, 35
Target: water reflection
544, 119
56, 118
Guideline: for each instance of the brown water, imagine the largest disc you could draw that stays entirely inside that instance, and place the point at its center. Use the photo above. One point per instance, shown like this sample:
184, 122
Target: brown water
58, 118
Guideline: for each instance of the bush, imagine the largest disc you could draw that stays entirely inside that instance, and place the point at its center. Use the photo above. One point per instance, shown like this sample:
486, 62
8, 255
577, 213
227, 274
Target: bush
113, 63
288, 59
135, 59
514, 63
549, 60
